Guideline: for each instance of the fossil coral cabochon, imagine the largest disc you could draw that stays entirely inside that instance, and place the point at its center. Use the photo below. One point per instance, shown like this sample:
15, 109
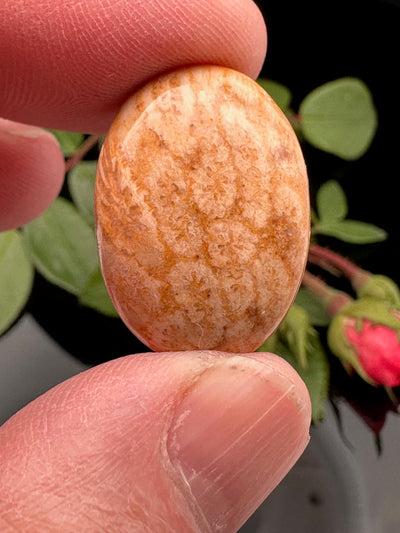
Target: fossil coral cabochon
202, 212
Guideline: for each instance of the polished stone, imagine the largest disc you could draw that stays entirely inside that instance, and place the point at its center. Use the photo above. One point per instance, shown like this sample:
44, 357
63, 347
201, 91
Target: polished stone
202, 212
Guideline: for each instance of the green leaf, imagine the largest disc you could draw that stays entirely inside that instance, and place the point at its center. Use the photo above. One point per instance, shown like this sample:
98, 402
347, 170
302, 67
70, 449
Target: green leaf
315, 375
313, 216
331, 202
339, 117
351, 231
315, 309
269, 345
63, 246
81, 181
296, 329
101, 142
278, 92
95, 295
69, 141
16, 278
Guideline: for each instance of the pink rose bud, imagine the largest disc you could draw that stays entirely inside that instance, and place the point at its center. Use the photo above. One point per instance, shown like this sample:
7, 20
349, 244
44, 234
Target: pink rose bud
365, 336
378, 350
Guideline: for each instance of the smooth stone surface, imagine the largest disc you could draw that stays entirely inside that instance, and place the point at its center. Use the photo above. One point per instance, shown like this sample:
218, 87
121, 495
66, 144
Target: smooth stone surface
202, 212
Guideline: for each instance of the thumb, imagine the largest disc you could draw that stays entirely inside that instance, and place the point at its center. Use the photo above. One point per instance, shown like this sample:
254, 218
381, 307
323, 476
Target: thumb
185, 442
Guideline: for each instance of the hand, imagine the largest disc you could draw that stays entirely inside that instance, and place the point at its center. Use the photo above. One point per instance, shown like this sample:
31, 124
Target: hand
70, 65
183, 442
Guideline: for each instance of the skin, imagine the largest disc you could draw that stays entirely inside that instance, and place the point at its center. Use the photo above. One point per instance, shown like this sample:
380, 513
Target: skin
136, 444
79, 82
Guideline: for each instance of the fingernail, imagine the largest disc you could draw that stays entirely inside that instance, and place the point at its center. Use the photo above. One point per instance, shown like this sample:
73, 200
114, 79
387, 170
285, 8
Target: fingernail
236, 434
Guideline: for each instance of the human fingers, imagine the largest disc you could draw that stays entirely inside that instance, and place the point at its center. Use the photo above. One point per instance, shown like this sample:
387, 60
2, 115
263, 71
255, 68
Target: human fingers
70, 65
187, 441
31, 172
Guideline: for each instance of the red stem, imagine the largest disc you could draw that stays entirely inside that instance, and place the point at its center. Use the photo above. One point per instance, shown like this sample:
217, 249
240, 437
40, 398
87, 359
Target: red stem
80, 153
319, 255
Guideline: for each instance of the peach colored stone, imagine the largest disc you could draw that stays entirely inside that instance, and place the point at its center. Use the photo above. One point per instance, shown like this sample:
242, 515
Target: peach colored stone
202, 212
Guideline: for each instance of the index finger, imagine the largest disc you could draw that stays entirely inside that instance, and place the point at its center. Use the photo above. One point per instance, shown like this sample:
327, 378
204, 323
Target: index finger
70, 65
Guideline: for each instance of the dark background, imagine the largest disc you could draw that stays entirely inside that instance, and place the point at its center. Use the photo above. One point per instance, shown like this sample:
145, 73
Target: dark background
310, 43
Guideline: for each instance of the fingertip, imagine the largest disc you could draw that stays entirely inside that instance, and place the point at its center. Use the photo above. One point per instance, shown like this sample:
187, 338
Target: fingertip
178, 439
300, 396
112, 48
237, 432
31, 172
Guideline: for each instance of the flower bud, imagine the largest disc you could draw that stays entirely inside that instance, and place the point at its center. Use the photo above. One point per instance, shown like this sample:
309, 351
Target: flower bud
365, 336
379, 286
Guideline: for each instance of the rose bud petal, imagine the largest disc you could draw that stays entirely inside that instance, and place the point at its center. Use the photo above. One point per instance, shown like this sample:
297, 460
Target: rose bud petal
378, 350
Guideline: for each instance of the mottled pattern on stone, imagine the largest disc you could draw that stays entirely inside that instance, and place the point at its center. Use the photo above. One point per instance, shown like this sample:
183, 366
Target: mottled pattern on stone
202, 212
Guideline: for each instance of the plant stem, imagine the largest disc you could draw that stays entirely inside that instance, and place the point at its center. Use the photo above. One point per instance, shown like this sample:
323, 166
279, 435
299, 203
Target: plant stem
332, 299
80, 153
324, 257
